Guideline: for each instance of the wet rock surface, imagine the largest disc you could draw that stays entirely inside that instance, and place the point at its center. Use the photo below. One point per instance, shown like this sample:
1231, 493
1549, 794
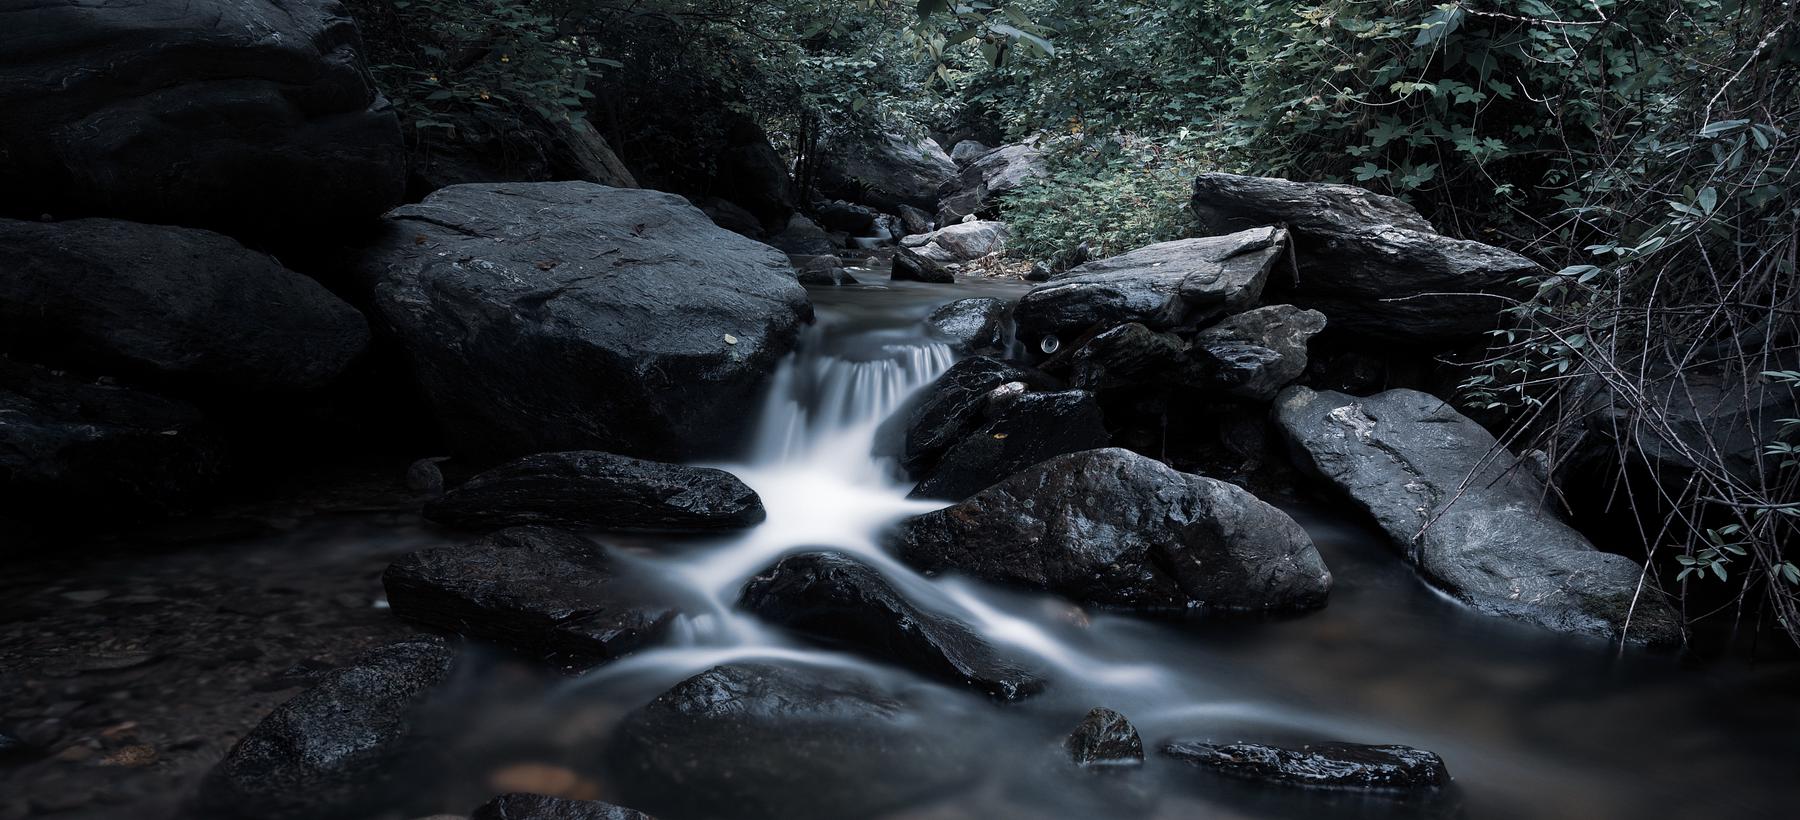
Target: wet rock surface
970, 325
1320, 765
1024, 430
949, 408
910, 266
562, 316
1105, 738
1115, 529
1282, 330
543, 593
587, 489
328, 751
541, 807
838, 600
782, 742
1458, 508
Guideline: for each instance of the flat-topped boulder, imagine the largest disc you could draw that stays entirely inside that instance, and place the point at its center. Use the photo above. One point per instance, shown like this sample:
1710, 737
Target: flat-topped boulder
566, 316
587, 489
1354, 766
1462, 510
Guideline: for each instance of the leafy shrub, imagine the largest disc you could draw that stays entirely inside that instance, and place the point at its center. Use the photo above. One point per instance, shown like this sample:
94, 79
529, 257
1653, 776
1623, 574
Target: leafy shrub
1115, 193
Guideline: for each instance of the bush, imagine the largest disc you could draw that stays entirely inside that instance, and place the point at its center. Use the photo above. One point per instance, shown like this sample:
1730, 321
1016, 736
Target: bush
1115, 193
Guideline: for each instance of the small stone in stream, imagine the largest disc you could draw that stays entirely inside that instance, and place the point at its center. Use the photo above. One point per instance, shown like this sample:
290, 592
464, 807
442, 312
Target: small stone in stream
1322, 765
520, 806
909, 266
587, 489
1030, 429
543, 779
541, 592
1105, 738
837, 599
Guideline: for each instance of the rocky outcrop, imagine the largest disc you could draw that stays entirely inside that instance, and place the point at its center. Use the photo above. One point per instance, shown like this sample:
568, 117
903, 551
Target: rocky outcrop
566, 316
855, 220
887, 172
833, 598
775, 742
176, 305
546, 594
970, 325
1125, 356
1321, 765
587, 489
1161, 286
967, 151
1024, 429
1256, 353
519, 806
255, 117
73, 445
1369, 262
329, 750
1455, 503
961, 242
1105, 738
909, 266
1115, 529
978, 188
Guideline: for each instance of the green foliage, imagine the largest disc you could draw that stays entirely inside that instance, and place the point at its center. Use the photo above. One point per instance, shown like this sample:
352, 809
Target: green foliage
1114, 193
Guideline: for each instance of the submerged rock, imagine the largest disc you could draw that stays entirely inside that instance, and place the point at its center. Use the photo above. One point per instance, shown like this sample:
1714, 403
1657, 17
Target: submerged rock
1450, 497
519, 806
782, 743
1321, 765
563, 316
1025, 429
968, 325
329, 751
1105, 738
1232, 351
1115, 529
833, 598
909, 266
587, 489
546, 594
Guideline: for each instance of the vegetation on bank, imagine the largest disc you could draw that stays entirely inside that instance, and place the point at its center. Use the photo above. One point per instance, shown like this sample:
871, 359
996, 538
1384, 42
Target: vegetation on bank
1642, 150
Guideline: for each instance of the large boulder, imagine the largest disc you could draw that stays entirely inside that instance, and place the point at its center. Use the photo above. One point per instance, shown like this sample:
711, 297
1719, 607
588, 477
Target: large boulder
987, 178
1115, 529
72, 445
330, 751
909, 266
1705, 415
888, 171
1256, 353
1126, 356
1465, 513
967, 151
949, 408
968, 325
177, 305
787, 743
801, 235
543, 593
1022, 430
845, 217
1368, 261
251, 116
1161, 286
1320, 765
568, 315
836, 599
961, 242
587, 489
748, 169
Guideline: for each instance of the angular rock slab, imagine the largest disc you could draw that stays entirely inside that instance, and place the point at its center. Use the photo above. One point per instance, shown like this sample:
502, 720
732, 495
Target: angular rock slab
587, 489
180, 305
327, 751
778, 742
569, 316
1115, 529
836, 599
1126, 356
1282, 330
1161, 286
988, 177
1023, 430
1368, 261
1105, 738
1321, 765
961, 242
968, 325
949, 408
250, 116
909, 266
546, 594
521, 806
1491, 543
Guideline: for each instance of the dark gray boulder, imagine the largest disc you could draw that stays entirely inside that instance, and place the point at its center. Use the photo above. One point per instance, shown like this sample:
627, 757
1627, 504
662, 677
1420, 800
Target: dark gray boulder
1320, 765
887, 172
1709, 415
1460, 510
178, 305
567, 315
587, 489
1368, 261
909, 266
950, 407
824, 271
747, 165
1024, 430
804, 236
970, 325
914, 221
546, 594
1125, 356
1115, 529
732, 217
1256, 353
967, 151
782, 743
835, 599
988, 178
1105, 738
856, 220
1161, 286
330, 750
255, 117
97, 448
520, 806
